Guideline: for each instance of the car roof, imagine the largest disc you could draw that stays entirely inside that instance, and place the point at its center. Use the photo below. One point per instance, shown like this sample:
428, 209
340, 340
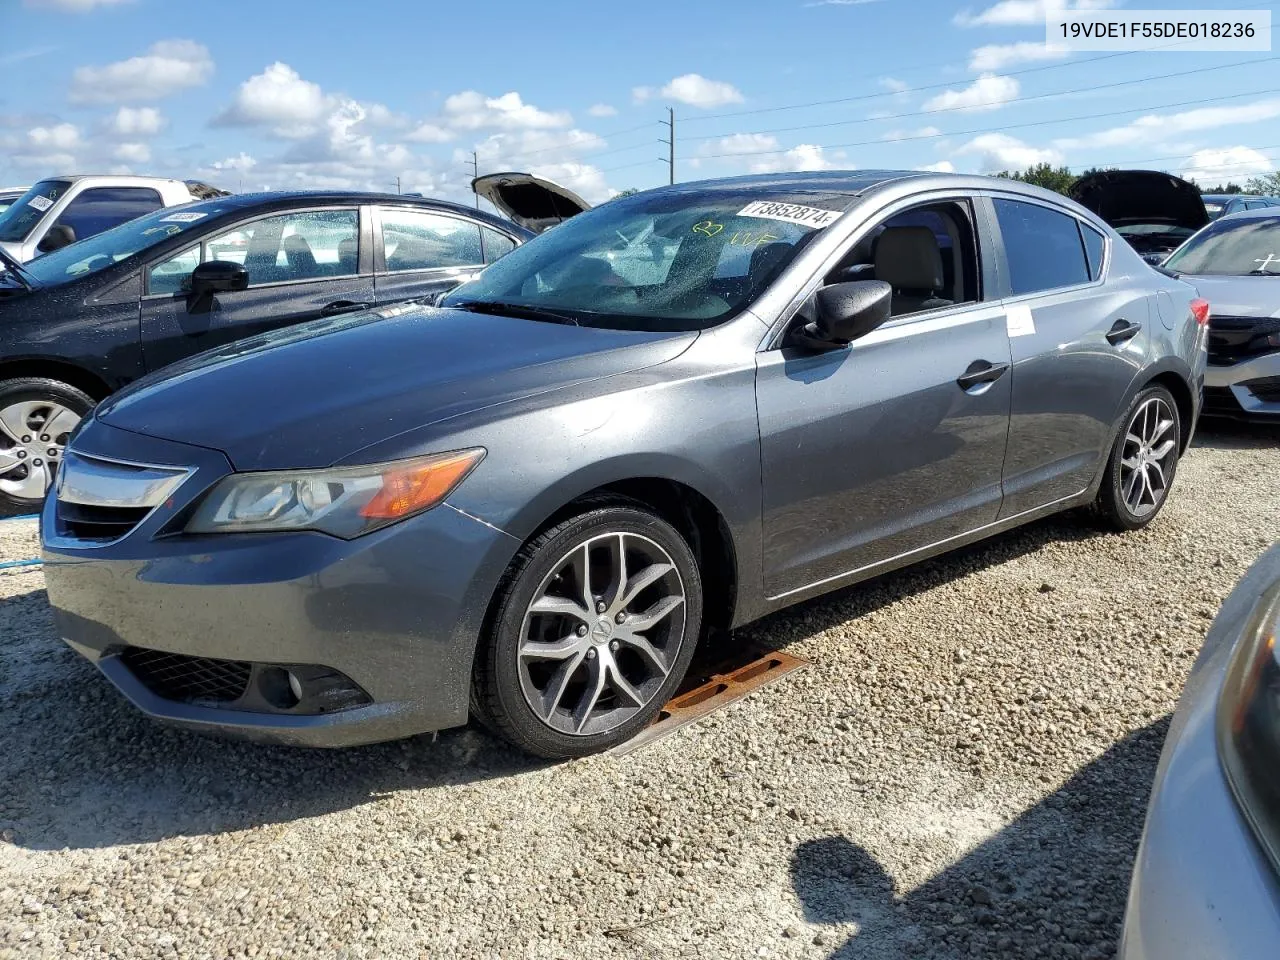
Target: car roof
1257, 213
285, 199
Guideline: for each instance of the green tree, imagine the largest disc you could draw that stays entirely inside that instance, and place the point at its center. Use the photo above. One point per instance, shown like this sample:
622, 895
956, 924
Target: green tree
1267, 183
1058, 179
1224, 188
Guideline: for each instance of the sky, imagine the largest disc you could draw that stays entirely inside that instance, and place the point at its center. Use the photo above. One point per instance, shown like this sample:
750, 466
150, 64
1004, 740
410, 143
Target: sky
277, 94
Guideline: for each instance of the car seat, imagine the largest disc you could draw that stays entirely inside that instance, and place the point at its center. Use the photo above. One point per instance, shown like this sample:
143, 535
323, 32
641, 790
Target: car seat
908, 259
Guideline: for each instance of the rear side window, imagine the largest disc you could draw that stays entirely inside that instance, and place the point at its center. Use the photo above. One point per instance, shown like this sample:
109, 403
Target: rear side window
496, 244
1094, 245
1042, 246
418, 240
101, 208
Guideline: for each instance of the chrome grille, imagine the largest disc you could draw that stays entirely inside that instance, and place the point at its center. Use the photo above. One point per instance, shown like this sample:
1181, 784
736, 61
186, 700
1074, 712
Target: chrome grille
100, 500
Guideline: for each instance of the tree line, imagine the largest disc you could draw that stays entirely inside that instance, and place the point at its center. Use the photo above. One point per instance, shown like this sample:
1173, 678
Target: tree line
1061, 179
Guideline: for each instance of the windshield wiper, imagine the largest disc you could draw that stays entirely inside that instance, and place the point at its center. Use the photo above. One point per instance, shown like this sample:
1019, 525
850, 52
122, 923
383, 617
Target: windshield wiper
16, 269
1262, 273
525, 311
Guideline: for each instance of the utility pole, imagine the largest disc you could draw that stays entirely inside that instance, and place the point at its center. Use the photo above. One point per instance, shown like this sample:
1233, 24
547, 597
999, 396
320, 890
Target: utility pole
670, 124
397, 184
475, 172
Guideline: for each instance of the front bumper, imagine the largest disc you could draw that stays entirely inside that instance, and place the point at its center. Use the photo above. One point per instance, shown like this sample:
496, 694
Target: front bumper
1232, 389
397, 613
1201, 885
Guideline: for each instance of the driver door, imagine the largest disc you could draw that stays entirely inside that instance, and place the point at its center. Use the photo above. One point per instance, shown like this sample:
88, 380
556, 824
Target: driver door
890, 445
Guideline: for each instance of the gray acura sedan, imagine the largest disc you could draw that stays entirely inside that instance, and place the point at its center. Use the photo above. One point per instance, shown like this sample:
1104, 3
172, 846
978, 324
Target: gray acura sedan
679, 410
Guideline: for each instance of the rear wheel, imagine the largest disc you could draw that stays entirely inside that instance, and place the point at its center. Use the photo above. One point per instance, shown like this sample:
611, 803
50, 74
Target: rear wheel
595, 625
36, 417
1144, 459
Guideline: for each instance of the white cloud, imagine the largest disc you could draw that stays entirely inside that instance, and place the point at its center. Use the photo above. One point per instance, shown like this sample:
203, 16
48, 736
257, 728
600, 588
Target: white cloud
1024, 13
840, 3
168, 67
429, 133
894, 85
470, 110
75, 6
999, 151
989, 92
942, 166
919, 133
136, 122
761, 153
999, 56
805, 156
693, 90
554, 154
278, 98
62, 136
133, 153
738, 144
1215, 166
1144, 129
602, 110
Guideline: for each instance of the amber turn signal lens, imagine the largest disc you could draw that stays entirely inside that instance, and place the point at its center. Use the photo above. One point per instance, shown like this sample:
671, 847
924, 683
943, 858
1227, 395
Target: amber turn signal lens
419, 485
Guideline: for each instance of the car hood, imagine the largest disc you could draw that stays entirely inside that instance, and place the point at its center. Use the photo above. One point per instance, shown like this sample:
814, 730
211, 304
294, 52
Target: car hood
318, 393
1128, 197
530, 201
1238, 296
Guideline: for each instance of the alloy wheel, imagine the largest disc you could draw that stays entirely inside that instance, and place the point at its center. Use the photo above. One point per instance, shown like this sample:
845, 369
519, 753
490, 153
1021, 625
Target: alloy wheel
601, 634
1148, 456
33, 436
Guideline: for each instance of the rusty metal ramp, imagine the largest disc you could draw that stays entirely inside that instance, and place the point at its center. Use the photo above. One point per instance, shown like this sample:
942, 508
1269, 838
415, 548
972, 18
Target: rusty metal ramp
727, 682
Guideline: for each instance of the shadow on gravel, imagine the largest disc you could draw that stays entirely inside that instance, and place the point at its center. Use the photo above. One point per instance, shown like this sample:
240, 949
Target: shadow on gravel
1051, 884
1236, 435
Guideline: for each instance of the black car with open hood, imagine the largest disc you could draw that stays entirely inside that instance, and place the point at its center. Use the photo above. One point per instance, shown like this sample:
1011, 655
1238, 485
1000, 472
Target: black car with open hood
532, 202
1155, 212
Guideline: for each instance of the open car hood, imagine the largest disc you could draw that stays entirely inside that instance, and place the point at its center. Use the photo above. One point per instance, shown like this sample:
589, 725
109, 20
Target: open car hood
1129, 197
530, 201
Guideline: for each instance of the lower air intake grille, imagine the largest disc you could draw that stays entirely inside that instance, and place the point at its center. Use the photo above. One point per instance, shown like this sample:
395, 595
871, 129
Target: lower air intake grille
175, 676
1266, 389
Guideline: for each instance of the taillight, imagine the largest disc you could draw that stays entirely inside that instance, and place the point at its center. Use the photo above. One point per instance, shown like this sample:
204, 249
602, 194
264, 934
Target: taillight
1200, 310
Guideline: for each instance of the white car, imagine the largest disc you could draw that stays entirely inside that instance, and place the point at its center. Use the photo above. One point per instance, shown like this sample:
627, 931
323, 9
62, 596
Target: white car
62, 210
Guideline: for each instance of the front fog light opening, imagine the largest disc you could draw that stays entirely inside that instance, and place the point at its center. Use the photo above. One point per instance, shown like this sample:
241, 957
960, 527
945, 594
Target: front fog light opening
280, 687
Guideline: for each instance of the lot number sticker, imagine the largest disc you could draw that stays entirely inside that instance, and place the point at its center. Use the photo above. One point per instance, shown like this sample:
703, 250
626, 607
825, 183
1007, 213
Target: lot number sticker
791, 213
182, 217
41, 203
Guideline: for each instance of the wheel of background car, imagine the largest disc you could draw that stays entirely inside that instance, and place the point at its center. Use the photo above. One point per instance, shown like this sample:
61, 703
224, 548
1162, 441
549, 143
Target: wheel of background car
593, 629
1144, 459
36, 415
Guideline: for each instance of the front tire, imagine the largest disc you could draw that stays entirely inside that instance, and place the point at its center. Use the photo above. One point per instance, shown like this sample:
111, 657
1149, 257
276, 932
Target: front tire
593, 630
36, 416
1143, 461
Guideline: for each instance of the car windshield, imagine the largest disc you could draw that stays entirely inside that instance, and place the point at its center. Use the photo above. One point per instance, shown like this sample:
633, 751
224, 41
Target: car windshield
1232, 247
659, 262
111, 246
29, 209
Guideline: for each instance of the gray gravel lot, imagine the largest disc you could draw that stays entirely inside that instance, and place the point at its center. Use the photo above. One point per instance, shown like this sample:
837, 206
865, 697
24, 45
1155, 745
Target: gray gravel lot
962, 772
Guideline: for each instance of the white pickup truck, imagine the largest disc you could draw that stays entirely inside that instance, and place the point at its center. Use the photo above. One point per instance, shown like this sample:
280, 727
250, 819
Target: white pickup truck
62, 210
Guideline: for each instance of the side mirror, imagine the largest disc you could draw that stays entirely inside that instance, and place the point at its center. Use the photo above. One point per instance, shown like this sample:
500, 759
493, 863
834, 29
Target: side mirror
215, 276
60, 235
845, 312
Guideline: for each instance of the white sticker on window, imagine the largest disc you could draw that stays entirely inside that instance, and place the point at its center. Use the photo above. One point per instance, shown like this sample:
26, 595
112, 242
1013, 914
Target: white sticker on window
1020, 321
41, 203
790, 212
183, 217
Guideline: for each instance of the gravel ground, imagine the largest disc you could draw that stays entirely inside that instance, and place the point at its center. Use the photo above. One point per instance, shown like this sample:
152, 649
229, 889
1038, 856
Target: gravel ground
961, 772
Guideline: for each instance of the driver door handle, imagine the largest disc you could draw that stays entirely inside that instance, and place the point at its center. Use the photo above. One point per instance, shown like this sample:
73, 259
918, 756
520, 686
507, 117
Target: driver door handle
1121, 331
343, 306
981, 372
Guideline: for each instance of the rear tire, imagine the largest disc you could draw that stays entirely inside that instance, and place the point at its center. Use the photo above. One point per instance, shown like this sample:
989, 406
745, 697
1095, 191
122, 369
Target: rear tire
593, 629
36, 416
1143, 461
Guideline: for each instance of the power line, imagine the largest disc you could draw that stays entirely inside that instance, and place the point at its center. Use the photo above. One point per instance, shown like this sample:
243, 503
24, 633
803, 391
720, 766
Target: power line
1003, 103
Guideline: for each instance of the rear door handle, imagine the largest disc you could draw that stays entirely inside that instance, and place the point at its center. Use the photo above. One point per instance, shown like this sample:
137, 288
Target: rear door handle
343, 306
1121, 331
981, 372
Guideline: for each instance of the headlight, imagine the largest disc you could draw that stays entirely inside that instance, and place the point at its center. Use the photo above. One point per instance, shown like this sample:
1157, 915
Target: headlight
343, 501
1249, 723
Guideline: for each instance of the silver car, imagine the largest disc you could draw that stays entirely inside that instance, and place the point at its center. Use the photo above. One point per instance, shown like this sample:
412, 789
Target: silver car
1235, 264
1205, 883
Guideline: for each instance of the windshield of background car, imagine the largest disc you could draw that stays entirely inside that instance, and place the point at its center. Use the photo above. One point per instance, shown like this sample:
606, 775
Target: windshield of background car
661, 262
29, 209
111, 246
1232, 247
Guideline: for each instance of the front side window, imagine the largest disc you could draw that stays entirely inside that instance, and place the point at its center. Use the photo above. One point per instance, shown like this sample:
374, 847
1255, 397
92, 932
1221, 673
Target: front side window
1232, 248
1042, 246
173, 275
17, 222
496, 244
101, 208
657, 262
418, 240
303, 245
